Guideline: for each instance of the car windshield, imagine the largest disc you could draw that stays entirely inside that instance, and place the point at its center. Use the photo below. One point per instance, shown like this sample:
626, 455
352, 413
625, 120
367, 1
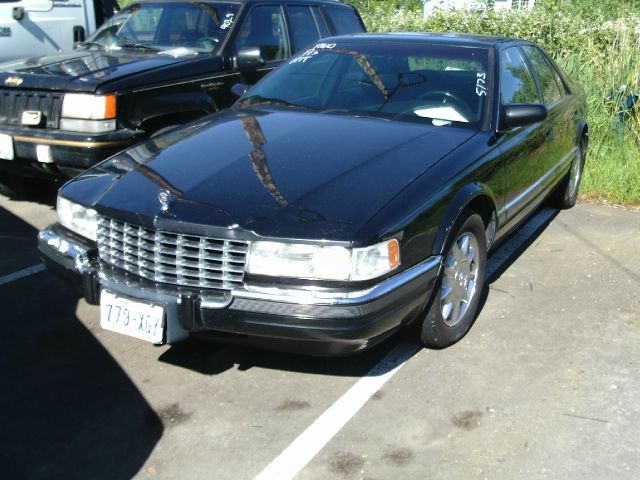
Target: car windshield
177, 29
439, 84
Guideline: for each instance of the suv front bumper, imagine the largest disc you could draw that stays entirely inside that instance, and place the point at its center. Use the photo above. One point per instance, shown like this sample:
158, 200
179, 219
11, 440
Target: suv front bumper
337, 322
65, 154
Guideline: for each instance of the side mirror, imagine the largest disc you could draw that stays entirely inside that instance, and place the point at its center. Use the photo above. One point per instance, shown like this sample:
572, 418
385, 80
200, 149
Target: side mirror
239, 89
249, 59
521, 114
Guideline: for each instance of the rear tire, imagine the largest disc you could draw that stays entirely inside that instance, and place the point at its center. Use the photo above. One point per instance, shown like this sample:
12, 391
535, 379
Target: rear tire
567, 193
455, 301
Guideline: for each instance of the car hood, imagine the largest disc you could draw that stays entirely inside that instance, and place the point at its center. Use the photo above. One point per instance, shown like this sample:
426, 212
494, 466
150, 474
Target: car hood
84, 70
278, 174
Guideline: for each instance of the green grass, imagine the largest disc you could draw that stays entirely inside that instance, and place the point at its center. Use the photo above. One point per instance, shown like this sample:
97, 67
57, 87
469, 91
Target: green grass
613, 169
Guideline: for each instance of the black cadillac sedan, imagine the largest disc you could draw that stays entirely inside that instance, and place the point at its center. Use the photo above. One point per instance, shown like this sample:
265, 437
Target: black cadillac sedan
353, 192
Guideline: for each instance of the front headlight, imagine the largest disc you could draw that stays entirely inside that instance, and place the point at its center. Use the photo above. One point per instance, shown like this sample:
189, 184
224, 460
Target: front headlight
83, 112
78, 219
317, 262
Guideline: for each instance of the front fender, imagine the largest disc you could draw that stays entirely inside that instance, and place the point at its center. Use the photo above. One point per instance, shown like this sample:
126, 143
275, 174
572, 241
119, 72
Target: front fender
475, 195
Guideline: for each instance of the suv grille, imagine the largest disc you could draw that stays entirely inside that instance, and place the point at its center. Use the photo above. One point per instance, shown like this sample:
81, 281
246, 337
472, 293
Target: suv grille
174, 258
14, 102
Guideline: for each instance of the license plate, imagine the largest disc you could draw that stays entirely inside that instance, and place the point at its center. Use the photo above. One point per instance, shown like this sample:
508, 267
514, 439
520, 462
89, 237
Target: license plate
131, 317
6, 147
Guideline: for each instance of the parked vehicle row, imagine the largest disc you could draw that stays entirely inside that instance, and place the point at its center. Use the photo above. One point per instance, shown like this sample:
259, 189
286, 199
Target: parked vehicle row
354, 191
155, 65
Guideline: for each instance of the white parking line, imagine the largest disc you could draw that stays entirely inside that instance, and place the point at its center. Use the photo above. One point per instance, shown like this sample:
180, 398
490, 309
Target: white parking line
22, 273
297, 455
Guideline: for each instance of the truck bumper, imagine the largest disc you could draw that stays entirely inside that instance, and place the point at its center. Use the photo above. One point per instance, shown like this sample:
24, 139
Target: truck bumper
56, 153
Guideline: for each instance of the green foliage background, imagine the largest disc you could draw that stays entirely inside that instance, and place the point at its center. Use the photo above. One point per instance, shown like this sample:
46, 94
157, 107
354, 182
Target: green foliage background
596, 42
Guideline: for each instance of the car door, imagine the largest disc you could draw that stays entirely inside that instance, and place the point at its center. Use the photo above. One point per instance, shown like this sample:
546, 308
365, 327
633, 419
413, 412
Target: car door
557, 99
526, 149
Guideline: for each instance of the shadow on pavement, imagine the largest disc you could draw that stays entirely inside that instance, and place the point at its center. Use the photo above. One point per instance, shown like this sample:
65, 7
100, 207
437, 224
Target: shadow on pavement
212, 358
68, 410
518, 242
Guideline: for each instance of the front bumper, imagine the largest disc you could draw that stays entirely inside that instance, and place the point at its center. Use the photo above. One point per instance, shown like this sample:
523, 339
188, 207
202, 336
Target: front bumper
331, 322
69, 153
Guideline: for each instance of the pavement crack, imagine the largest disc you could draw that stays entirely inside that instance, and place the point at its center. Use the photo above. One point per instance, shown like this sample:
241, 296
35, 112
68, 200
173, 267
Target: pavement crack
593, 419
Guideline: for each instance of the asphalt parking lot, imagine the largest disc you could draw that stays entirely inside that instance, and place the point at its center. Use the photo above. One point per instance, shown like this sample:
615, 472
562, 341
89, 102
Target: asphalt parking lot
544, 386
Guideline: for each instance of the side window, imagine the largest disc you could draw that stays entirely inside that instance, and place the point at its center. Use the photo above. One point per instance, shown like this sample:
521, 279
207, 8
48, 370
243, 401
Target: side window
264, 27
516, 84
303, 27
322, 24
344, 20
546, 75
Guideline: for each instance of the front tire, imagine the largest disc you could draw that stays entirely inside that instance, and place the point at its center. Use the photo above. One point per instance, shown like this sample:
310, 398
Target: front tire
454, 303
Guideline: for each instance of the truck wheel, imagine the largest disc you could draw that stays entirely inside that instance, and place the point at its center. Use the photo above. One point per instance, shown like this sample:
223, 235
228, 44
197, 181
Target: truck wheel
459, 286
12, 186
26, 188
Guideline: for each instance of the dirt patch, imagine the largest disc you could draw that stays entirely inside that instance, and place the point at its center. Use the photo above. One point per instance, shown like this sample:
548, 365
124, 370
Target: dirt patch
398, 457
378, 395
292, 405
346, 463
467, 420
173, 415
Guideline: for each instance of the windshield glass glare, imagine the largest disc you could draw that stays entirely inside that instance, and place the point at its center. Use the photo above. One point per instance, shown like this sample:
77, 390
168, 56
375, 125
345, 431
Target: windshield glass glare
197, 27
439, 84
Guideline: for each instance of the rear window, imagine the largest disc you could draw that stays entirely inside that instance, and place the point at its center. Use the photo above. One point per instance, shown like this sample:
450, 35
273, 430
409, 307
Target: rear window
344, 20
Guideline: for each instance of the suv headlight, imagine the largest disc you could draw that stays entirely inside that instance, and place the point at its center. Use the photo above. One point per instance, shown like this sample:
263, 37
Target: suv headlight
83, 112
318, 262
78, 219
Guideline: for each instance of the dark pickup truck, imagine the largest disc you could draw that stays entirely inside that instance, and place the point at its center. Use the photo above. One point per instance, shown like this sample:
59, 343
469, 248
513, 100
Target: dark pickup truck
155, 65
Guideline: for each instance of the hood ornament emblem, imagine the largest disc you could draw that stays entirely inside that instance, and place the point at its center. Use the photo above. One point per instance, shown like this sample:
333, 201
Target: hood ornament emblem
15, 81
164, 197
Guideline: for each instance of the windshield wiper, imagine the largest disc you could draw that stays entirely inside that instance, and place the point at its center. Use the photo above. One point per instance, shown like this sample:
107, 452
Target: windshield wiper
135, 45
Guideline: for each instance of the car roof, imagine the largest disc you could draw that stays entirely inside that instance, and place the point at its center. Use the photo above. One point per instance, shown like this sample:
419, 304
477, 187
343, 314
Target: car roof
462, 39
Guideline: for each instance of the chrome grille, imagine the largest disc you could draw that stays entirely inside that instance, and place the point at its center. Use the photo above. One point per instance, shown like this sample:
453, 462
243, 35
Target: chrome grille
14, 102
166, 257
